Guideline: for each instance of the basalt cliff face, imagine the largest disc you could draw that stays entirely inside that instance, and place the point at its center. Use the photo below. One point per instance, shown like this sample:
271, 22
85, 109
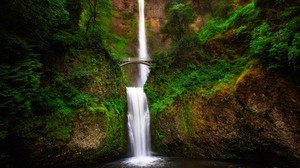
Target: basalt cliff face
257, 118
125, 22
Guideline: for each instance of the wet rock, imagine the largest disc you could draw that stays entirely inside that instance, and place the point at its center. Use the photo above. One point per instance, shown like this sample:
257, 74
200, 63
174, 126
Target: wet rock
259, 113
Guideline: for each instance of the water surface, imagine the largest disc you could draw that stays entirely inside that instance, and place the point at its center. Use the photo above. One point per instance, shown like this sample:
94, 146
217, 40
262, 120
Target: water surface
173, 162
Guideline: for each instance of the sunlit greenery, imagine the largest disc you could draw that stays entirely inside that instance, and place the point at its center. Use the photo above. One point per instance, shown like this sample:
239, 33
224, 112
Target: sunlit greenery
205, 79
218, 25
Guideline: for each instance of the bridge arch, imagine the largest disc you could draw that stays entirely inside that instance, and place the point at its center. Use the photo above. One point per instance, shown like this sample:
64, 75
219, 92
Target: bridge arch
128, 61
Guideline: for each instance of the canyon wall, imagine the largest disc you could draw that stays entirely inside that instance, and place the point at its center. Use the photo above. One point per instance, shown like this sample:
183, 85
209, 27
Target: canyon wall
257, 117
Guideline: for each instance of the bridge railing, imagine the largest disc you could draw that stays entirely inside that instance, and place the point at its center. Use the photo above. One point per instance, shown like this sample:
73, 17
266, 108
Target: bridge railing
131, 60
136, 59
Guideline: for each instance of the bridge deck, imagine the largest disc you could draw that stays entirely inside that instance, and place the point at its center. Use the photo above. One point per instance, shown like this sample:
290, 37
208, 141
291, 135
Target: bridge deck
130, 60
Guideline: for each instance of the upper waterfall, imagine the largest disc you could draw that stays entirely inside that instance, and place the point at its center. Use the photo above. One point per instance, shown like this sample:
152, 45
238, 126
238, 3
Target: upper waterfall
142, 52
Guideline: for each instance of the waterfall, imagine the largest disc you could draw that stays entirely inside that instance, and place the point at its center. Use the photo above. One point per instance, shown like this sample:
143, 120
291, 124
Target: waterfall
138, 112
138, 121
142, 52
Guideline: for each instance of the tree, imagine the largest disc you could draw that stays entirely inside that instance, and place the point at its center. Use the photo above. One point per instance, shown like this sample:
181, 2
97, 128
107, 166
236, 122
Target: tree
204, 6
74, 7
180, 16
96, 15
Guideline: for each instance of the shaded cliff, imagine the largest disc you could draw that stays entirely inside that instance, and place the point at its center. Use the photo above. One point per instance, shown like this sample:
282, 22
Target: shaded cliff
126, 26
229, 90
224, 83
255, 117
62, 91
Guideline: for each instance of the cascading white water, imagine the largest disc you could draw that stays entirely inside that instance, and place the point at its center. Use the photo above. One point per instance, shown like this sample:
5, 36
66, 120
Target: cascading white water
142, 52
138, 121
138, 112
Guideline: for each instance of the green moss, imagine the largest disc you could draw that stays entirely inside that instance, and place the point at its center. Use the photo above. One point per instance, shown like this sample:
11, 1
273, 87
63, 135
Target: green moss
59, 125
116, 140
158, 135
207, 78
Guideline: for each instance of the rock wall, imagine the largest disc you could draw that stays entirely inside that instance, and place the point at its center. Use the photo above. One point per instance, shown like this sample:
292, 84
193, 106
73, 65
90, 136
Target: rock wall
257, 118
125, 23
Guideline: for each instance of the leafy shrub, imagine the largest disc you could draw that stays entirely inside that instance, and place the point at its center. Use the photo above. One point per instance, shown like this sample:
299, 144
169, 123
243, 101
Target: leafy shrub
167, 87
210, 29
243, 14
179, 16
48, 100
83, 69
68, 40
215, 26
58, 125
277, 49
72, 95
18, 85
294, 52
273, 3
185, 51
261, 37
82, 100
223, 8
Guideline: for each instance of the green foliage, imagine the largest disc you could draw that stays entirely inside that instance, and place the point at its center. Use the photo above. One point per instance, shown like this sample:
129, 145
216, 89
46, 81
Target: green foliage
241, 30
294, 53
60, 96
84, 69
34, 19
96, 16
3, 128
115, 141
242, 14
54, 127
74, 8
185, 52
216, 26
277, 49
210, 29
291, 12
222, 9
48, 100
68, 40
19, 83
273, 4
158, 135
274, 46
54, 63
163, 60
59, 125
261, 36
117, 47
72, 95
204, 79
179, 16
96, 23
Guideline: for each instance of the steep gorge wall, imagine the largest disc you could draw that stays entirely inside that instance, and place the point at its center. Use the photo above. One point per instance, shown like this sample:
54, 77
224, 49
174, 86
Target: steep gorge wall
256, 117
125, 20
125, 23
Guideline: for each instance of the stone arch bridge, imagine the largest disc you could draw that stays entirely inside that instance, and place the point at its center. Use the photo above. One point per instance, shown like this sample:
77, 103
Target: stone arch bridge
131, 60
